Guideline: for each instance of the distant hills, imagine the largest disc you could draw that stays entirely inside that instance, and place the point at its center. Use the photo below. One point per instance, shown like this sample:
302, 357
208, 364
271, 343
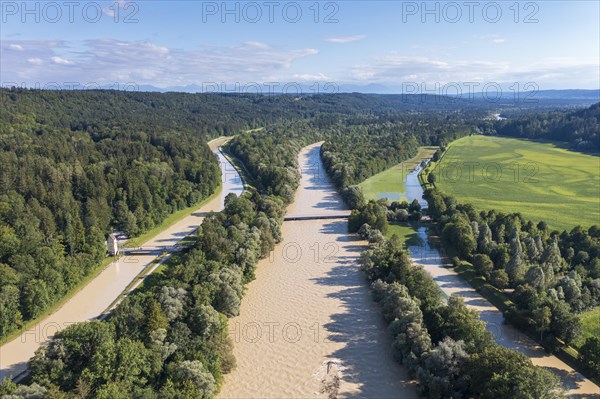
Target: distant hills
582, 96
592, 95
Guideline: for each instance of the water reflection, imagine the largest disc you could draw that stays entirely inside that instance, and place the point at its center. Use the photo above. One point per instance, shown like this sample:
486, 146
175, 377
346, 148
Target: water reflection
231, 179
422, 251
412, 188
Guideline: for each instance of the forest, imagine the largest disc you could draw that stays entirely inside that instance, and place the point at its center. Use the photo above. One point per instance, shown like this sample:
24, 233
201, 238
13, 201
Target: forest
579, 128
169, 339
209, 115
64, 187
551, 276
77, 165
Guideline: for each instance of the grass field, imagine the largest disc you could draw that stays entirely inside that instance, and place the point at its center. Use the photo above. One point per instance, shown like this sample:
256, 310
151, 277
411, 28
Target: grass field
405, 232
590, 321
390, 183
542, 181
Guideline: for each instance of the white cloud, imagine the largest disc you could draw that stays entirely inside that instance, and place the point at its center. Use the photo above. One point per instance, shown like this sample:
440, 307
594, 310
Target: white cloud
396, 69
495, 39
106, 61
17, 47
61, 61
311, 77
345, 39
256, 45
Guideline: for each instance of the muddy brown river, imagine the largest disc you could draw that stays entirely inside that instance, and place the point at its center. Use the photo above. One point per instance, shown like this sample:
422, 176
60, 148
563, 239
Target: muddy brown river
308, 326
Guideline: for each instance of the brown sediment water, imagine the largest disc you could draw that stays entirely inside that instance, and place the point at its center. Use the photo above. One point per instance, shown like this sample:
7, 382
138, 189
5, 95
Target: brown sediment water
96, 296
308, 326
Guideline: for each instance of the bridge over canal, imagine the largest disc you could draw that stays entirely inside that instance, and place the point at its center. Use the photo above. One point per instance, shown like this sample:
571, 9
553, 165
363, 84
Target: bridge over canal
317, 216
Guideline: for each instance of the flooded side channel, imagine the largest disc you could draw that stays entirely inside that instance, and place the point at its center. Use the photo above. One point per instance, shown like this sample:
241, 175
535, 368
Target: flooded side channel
427, 254
95, 297
308, 327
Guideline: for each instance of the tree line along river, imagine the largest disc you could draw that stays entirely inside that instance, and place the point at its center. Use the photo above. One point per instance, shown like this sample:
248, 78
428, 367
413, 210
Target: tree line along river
308, 326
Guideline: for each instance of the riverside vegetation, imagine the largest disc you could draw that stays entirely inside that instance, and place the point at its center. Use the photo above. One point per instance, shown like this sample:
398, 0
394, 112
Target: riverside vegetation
169, 339
555, 274
445, 345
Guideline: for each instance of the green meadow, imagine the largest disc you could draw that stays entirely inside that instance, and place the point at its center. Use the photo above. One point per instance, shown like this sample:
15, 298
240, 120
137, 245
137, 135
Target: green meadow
404, 231
590, 322
390, 183
542, 181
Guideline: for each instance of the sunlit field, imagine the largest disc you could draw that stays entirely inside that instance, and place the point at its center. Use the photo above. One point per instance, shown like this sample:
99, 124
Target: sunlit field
590, 322
540, 180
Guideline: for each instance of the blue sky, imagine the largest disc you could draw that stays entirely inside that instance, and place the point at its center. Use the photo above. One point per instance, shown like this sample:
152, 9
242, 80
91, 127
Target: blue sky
361, 45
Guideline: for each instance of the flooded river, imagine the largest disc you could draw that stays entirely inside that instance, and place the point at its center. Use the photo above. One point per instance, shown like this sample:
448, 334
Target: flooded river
308, 326
98, 295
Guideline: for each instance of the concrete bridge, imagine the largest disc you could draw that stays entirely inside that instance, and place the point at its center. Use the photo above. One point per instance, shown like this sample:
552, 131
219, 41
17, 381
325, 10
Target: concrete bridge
150, 250
317, 216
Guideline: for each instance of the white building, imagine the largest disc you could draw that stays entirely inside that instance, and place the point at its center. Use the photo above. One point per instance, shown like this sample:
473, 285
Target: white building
112, 244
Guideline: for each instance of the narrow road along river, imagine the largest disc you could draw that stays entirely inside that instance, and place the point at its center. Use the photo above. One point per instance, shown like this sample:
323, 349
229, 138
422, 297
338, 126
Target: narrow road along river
450, 282
308, 326
98, 295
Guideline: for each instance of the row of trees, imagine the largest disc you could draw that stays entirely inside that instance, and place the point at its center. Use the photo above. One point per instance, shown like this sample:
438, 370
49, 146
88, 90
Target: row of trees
169, 340
444, 344
553, 276
275, 172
